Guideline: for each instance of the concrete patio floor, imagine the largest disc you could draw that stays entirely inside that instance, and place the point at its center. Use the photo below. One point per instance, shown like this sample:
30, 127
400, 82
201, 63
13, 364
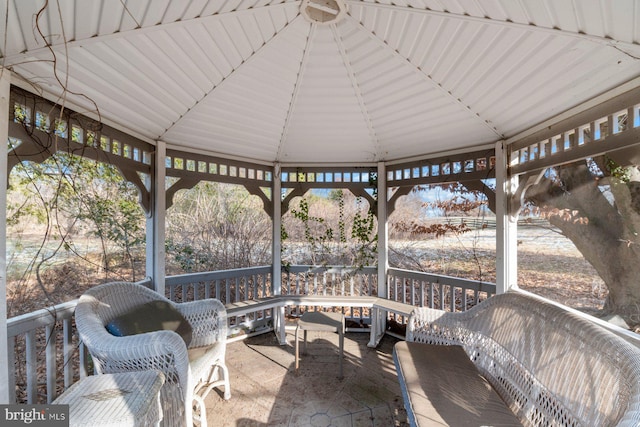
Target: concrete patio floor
266, 391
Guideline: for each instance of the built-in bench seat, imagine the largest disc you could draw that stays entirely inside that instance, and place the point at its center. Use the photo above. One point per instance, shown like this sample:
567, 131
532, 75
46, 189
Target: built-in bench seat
378, 306
516, 359
444, 387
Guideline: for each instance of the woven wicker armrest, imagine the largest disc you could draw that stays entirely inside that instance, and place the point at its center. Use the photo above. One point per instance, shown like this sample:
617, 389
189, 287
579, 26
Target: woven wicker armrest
161, 350
208, 319
432, 326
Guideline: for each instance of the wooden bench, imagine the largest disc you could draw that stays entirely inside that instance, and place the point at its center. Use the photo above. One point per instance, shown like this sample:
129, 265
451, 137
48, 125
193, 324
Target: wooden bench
514, 359
378, 306
379, 313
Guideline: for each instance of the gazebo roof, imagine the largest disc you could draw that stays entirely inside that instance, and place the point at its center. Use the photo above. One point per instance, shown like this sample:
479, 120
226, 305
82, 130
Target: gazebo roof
323, 81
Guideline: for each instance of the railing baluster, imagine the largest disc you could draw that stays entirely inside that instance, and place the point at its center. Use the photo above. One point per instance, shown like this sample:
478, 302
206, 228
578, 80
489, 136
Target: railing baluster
343, 288
404, 291
68, 350
50, 373
84, 361
415, 291
254, 281
31, 363
452, 296
315, 284
431, 295
324, 284
207, 289
11, 349
396, 284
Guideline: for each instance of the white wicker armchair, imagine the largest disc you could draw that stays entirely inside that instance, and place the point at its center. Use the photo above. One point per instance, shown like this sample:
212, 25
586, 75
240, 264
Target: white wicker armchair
190, 372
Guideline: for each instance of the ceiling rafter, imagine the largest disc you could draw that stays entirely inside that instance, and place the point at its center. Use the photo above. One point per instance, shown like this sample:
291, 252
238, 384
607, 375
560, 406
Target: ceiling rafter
603, 40
29, 54
225, 79
296, 89
356, 89
427, 78
19, 30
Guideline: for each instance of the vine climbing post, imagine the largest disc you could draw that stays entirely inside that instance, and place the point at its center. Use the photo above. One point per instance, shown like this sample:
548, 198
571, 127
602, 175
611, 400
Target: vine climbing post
383, 259
276, 274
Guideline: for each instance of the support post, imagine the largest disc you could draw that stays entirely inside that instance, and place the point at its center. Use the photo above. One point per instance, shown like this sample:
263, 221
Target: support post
276, 255
506, 223
383, 231
5, 89
156, 220
378, 316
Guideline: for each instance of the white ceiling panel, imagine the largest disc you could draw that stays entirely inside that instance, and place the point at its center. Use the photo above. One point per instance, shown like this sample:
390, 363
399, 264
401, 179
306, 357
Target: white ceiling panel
250, 104
380, 80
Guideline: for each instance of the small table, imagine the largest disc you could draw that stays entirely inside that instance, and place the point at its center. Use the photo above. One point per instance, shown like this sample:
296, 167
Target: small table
124, 399
324, 322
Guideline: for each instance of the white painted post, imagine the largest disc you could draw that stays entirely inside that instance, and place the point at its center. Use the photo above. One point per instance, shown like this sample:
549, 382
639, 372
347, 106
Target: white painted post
276, 255
379, 317
506, 224
156, 224
5, 104
383, 231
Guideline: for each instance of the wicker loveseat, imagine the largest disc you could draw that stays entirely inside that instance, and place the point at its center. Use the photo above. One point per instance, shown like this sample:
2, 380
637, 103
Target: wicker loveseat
191, 371
548, 366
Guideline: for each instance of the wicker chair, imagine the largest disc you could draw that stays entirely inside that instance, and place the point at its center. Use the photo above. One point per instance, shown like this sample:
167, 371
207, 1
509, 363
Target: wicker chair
190, 372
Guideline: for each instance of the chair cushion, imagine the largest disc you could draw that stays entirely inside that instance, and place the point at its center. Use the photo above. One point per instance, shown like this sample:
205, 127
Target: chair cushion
152, 316
442, 387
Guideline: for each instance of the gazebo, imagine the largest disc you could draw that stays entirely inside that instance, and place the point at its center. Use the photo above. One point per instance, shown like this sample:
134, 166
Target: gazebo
282, 97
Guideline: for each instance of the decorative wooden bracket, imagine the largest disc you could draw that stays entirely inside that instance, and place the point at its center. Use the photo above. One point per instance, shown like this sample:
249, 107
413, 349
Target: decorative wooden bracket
516, 201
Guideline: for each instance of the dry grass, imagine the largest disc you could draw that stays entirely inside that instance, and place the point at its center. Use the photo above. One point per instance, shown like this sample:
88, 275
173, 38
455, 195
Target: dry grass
548, 264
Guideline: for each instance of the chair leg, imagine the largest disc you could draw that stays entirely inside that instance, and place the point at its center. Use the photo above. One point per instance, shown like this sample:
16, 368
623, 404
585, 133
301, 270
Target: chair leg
223, 381
227, 386
202, 418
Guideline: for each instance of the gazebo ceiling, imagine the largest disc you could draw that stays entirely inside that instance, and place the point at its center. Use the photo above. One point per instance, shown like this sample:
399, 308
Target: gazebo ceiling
323, 80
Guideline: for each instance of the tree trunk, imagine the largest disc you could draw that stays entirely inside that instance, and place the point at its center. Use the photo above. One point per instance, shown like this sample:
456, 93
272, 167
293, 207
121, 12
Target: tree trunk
602, 227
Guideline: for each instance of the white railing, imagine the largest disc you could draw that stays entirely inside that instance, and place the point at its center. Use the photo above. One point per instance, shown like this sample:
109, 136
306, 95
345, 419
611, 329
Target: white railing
329, 280
47, 356
45, 353
436, 291
228, 286
332, 281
